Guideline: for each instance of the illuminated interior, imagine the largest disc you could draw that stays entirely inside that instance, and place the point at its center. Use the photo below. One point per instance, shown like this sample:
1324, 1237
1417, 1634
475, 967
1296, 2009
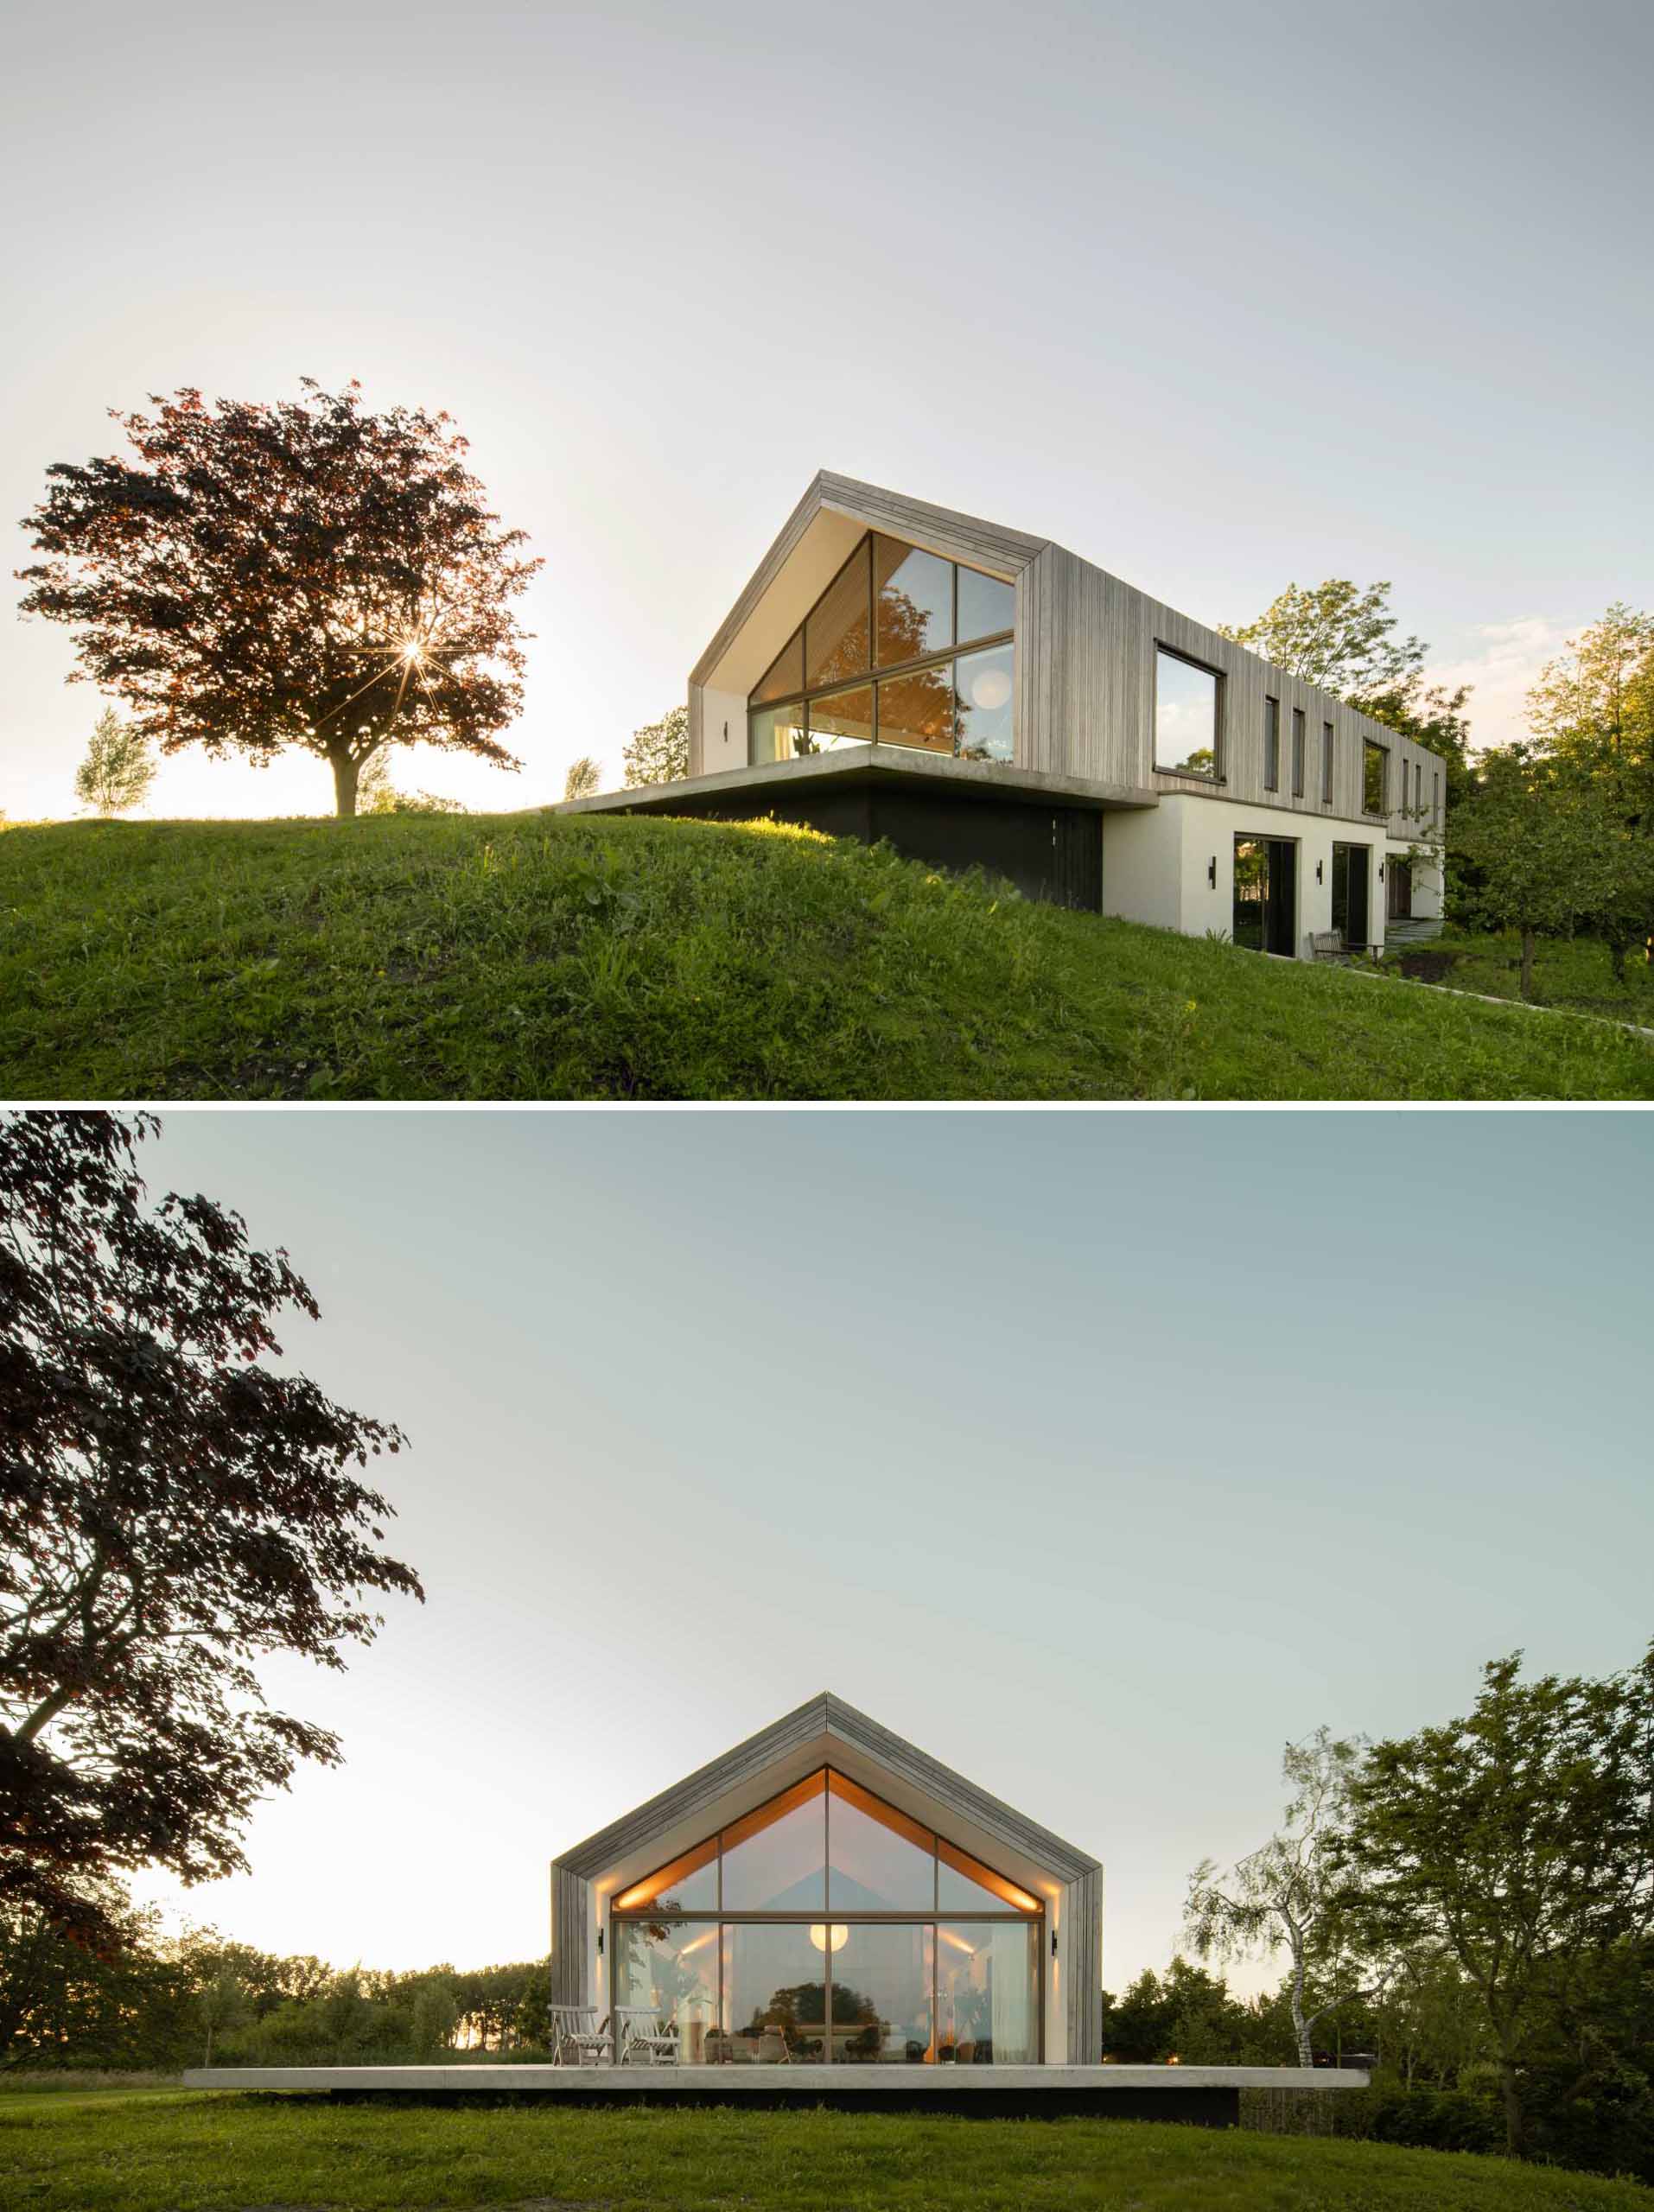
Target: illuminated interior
902, 648
828, 1927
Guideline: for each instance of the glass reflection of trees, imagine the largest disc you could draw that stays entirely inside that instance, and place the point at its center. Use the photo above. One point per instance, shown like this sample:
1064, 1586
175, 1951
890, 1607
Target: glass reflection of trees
873, 662
812, 1928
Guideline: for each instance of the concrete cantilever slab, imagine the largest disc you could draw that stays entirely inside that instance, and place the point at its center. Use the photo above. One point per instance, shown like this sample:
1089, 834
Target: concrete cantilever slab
1204, 2097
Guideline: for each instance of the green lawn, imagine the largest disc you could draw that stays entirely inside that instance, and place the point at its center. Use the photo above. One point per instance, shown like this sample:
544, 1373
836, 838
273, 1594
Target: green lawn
1572, 972
535, 956
158, 2151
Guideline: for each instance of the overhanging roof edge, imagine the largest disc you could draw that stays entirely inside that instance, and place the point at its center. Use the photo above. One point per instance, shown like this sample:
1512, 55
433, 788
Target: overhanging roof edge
825, 1715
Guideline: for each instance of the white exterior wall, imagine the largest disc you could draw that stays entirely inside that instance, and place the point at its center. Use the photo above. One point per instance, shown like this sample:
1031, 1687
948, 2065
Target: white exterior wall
723, 731
1155, 864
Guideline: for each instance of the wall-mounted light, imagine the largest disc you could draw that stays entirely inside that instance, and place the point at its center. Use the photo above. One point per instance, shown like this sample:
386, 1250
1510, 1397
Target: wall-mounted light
1381, 871
1319, 878
1212, 871
600, 1942
1053, 1943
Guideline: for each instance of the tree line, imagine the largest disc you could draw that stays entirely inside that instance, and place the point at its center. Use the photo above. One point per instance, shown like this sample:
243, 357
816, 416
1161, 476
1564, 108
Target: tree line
1549, 835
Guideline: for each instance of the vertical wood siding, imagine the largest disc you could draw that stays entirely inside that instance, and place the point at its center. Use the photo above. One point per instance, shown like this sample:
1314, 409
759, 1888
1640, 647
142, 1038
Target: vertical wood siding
1081, 1912
570, 1928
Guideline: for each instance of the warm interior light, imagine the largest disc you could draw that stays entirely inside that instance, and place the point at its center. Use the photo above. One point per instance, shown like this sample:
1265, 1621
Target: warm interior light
643, 1894
829, 1939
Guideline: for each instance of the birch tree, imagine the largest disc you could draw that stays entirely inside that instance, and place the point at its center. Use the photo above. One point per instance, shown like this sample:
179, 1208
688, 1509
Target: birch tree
1289, 1893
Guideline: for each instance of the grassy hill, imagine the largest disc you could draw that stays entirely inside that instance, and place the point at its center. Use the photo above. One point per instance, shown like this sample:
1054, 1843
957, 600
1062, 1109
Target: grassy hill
534, 956
220, 2151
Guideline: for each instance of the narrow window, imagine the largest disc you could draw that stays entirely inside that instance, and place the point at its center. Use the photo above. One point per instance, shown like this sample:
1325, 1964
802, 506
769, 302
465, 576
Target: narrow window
1374, 778
1297, 751
1326, 763
1271, 745
1436, 793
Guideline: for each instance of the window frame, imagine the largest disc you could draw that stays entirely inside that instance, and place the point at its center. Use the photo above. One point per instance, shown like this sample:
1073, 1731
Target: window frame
874, 674
1214, 774
1327, 763
932, 1917
1271, 742
1300, 747
1369, 746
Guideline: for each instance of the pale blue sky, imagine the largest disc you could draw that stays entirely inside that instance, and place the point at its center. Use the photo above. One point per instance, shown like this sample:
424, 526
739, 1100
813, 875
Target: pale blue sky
1218, 296
1096, 1454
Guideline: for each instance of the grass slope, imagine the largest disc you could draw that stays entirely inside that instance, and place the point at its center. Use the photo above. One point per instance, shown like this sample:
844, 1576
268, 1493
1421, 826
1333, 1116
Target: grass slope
155, 2151
1572, 972
532, 956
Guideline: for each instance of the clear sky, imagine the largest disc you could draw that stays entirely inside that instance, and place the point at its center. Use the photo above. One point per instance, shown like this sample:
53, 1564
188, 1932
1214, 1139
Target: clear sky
1218, 296
1097, 1454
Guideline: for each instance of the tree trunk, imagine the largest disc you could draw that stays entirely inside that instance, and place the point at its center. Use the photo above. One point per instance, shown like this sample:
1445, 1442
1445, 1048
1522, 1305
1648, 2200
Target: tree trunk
1300, 2025
344, 782
1511, 2099
1529, 945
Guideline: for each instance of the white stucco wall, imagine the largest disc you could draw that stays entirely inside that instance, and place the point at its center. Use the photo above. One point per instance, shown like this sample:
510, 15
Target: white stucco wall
1156, 864
723, 731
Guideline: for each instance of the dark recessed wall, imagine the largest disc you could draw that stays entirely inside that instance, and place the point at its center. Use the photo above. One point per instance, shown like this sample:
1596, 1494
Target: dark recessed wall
1050, 853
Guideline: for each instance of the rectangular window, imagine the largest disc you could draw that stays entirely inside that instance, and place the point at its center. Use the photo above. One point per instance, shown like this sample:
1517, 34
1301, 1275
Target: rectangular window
1374, 778
985, 689
1297, 751
1326, 763
1418, 787
1186, 716
1436, 793
1271, 745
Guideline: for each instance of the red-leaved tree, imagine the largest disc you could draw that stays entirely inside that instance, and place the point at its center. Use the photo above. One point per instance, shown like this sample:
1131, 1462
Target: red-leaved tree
306, 574
174, 1506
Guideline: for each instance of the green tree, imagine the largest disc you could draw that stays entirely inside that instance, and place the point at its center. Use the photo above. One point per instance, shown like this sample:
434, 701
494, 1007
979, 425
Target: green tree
118, 770
1291, 1892
585, 776
306, 574
220, 2004
1592, 712
179, 1503
1515, 1841
1336, 635
1539, 849
436, 2014
658, 753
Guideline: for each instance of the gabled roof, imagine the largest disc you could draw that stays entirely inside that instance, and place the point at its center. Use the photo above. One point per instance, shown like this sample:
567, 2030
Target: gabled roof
823, 1722
991, 546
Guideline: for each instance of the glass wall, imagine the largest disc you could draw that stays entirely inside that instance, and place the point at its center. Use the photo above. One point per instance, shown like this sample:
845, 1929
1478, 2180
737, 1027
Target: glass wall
902, 648
828, 1926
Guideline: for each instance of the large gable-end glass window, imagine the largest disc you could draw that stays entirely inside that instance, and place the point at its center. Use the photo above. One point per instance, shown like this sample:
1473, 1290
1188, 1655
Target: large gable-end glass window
914, 602
937, 636
670, 1968
986, 607
775, 1860
986, 682
829, 1925
878, 1860
783, 678
837, 638
987, 1993
778, 733
917, 709
1186, 716
1271, 745
841, 718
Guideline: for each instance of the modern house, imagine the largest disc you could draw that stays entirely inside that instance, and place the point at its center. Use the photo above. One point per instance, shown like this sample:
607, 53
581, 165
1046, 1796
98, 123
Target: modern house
825, 1894
824, 1914
974, 693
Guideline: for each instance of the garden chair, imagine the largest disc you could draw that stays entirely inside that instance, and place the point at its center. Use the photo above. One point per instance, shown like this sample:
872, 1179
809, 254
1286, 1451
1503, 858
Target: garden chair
578, 2036
1327, 945
644, 2038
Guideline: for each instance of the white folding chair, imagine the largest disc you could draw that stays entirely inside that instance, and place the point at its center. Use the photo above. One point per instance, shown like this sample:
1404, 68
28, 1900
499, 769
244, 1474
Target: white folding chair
644, 2038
